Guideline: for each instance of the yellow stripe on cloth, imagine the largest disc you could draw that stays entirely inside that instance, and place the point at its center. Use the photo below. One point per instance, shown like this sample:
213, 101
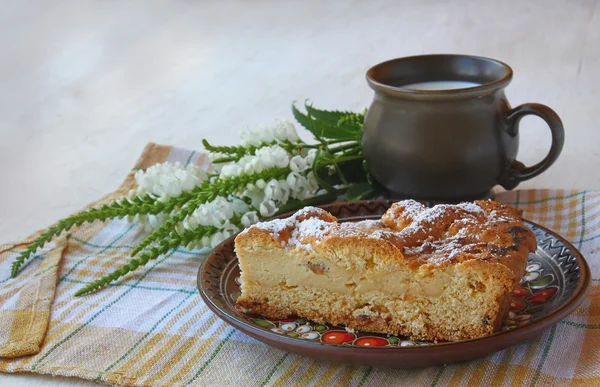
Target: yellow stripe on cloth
151, 328
25, 310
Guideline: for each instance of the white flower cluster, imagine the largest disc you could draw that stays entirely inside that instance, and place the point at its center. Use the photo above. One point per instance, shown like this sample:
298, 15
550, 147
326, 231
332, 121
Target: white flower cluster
300, 182
163, 181
264, 158
280, 131
167, 180
218, 214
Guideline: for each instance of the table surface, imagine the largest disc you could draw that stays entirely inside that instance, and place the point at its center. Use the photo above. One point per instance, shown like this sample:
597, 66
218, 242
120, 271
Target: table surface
84, 85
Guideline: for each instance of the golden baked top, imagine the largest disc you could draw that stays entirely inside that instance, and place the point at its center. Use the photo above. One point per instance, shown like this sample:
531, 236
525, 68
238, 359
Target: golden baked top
414, 234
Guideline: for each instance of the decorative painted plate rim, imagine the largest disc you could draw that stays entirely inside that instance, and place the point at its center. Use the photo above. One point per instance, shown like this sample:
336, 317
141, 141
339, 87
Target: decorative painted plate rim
521, 333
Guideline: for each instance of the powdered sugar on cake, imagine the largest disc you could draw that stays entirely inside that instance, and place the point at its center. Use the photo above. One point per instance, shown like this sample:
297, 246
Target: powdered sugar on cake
429, 235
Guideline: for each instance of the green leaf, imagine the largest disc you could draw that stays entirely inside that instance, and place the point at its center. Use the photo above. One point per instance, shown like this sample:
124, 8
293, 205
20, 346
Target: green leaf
348, 123
116, 209
262, 323
331, 116
360, 191
325, 128
302, 119
542, 282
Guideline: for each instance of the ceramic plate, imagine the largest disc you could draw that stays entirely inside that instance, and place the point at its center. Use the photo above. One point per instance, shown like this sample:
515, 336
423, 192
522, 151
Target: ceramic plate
556, 282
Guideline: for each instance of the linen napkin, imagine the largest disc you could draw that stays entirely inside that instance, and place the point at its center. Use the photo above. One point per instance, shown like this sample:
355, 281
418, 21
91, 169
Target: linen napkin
152, 328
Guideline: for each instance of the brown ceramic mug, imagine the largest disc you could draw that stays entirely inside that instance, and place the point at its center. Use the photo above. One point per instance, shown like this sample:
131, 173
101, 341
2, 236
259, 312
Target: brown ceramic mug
441, 128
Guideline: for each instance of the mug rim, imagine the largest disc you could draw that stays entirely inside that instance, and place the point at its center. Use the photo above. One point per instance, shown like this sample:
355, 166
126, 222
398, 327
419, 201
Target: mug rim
378, 85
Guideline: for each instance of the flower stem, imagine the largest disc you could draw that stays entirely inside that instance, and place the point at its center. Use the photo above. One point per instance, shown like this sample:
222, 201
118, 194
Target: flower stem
207, 193
341, 160
117, 209
173, 241
351, 145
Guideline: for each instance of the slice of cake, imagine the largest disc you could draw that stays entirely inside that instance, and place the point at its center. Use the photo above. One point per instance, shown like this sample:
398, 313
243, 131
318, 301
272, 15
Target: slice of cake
441, 273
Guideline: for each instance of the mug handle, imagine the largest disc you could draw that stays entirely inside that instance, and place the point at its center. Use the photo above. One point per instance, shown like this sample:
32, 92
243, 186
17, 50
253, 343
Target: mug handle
517, 172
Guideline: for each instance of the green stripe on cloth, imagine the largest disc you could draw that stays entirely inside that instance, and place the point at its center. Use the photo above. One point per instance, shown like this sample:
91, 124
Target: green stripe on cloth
211, 357
96, 315
152, 329
437, 377
184, 291
538, 371
548, 199
107, 247
37, 256
578, 325
365, 376
590, 238
274, 369
118, 238
189, 159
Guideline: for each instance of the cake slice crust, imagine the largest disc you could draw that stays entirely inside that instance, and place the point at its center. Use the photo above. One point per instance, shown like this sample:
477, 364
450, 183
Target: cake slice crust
444, 273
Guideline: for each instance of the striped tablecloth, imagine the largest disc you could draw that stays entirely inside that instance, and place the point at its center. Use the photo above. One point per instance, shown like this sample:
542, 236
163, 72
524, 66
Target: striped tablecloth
152, 328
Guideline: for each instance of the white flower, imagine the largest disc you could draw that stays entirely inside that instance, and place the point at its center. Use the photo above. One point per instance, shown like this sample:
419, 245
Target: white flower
239, 206
132, 194
251, 164
231, 170
152, 222
273, 156
190, 223
285, 131
298, 185
268, 208
220, 236
230, 230
205, 241
298, 164
265, 157
255, 136
256, 195
249, 218
217, 213
313, 184
217, 238
277, 190
271, 190
280, 131
168, 180
310, 157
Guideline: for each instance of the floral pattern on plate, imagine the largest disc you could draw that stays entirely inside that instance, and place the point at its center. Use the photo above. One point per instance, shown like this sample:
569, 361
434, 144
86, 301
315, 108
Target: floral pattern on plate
529, 298
300, 328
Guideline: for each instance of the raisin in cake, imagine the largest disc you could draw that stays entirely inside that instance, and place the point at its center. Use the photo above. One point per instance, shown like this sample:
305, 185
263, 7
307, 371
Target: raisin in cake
442, 273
